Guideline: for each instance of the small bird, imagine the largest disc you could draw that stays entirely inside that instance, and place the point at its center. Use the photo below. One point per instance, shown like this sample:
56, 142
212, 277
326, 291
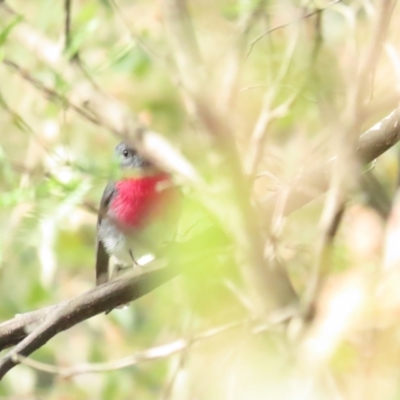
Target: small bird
138, 214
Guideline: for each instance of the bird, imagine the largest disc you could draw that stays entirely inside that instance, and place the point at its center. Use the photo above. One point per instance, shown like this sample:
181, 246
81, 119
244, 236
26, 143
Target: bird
138, 214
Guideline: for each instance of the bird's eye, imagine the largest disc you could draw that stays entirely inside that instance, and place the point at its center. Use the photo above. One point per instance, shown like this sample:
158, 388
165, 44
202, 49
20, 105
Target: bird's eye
125, 153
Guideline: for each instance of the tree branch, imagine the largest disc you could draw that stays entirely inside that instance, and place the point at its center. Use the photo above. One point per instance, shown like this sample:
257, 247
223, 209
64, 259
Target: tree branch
152, 353
309, 14
32, 330
66, 314
313, 182
89, 101
49, 321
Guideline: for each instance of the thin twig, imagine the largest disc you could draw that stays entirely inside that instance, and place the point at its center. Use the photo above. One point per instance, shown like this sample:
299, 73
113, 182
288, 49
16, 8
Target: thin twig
125, 126
52, 320
346, 165
231, 74
268, 114
268, 287
372, 144
329, 223
168, 387
50, 93
276, 28
16, 118
376, 193
67, 23
183, 41
138, 40
153, 353
94, 104
313, 182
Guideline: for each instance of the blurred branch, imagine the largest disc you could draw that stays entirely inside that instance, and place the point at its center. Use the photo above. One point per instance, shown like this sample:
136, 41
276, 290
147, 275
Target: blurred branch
234, 65
269, 287
329, 223
18, 121
161, 59
57, 318
67, 23
88, 101
272, 285
153, 353
183, 41
303, 17
32, 330
311, 183
376, 193
335, 222
91, 103
50, 93
345, 165
269, 113
149, 141
391, 253
369, 62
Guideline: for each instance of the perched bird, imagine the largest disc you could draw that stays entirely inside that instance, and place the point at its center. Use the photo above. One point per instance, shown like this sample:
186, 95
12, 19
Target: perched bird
138, 214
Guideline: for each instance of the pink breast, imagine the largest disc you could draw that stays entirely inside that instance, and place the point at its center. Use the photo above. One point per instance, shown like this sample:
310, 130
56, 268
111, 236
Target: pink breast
139, 200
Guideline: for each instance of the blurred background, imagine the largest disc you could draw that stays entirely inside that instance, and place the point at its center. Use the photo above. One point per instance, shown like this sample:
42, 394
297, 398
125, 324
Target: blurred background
289, 85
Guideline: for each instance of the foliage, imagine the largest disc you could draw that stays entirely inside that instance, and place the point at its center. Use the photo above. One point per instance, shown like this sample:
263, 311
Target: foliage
283, 87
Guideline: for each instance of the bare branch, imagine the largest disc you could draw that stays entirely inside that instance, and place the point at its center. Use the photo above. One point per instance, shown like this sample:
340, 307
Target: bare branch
303, 17
313, 182
50, 93
161, 59
232, 72
32, 330
372, 144
148, 141
52, 320
269, 287
153, 353
273, 286
94, 105
183, 40
67, 23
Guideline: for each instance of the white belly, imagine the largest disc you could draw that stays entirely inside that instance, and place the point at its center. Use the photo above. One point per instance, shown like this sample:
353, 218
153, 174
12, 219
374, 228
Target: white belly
133, 247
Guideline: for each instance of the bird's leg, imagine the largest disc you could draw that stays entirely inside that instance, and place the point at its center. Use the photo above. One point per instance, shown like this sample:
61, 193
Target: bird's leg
119, 269
135, 263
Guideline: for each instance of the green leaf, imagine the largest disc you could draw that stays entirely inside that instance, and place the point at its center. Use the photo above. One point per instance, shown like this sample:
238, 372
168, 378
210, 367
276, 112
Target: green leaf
131, 59
6, 31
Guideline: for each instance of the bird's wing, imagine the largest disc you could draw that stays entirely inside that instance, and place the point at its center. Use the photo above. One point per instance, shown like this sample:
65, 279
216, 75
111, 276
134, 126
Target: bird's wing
102, 257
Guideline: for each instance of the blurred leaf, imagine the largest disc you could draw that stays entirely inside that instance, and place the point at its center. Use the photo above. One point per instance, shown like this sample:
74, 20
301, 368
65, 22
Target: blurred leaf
80, 36
14, 197
132, 59
7, 29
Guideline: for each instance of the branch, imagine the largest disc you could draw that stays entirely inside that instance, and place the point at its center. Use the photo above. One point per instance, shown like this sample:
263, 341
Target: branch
284, 25
115, 117
49, 321
183, 41
273, 286
89, 101
313, 182
270, 287
153, 353
60, 317
31, 331
67, 24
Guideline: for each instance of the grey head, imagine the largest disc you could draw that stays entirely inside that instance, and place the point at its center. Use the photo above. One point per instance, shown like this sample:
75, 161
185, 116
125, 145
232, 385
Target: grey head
129, 157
